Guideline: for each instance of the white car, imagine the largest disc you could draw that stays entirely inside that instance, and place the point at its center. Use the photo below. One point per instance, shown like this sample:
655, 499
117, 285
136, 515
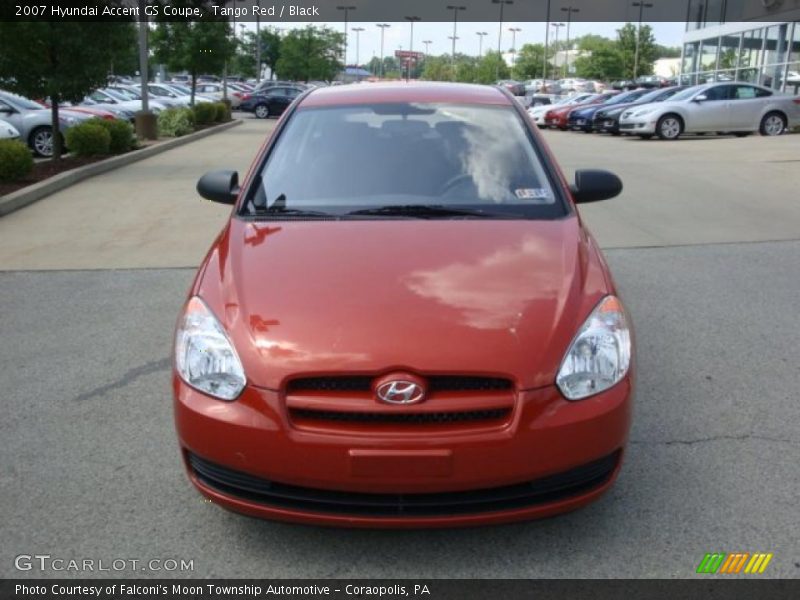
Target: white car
537, 112
8, 131
739, 108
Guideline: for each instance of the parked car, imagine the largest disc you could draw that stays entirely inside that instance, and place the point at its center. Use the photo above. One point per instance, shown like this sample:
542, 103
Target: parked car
514, 396
133, 92
184, 93
34, 122
8, 131
606, 119
108, 98
270, 102
739, 108
236, 93
538, 113
277, 83
558, 116
213, 91
542, 86
583, 119
516, 88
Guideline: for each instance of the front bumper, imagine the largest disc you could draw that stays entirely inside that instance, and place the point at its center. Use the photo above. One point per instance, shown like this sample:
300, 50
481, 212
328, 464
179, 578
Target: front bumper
250, 457
638, 126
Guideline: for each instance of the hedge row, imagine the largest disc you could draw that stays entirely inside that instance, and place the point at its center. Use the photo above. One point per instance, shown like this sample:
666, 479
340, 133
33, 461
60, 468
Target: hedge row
98, 137
16, 161
175, 122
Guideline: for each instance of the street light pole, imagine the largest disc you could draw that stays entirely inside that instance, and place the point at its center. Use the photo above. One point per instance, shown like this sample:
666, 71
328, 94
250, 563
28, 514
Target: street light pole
546, 42
557, 26
383, 27
411, 20
258, 42
346, 10
358, 31
502, 3
427, 44
569, 10
642, 6
454, 37
514, 31
480, 43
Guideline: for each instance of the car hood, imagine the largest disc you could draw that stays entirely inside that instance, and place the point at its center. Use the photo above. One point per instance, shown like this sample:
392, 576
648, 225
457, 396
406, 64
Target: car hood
501, 298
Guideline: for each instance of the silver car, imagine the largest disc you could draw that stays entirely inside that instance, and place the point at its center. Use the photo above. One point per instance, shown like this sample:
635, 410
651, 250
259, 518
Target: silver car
738, 108
34, 122
111, 99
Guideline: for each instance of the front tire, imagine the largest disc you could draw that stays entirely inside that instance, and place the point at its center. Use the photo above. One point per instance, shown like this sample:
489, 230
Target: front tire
669, 127
772, 124
41, 141
262, 111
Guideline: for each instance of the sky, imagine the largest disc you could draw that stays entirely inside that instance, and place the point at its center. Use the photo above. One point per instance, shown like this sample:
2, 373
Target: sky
398, 36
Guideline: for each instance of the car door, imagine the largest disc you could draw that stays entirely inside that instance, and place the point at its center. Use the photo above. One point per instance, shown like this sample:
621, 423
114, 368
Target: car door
710, 113
746, 106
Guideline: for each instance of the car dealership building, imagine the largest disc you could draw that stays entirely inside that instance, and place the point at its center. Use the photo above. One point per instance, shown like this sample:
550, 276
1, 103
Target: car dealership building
722, 44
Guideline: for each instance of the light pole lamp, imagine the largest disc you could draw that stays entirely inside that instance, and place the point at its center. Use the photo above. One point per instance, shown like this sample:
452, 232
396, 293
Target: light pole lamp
514, 31
557, 26
502, 4
569, 10
454, 37
411, 20
383, 27
480, 35
641, 6
358, 31
346, 10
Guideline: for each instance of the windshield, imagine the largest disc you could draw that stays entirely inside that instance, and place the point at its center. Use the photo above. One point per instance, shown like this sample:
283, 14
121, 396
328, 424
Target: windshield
405, 155
181, 89
686, 94
128, 94
116, 94
21, 102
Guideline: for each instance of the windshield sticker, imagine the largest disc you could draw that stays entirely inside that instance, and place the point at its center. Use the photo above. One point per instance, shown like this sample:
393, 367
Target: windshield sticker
538, 195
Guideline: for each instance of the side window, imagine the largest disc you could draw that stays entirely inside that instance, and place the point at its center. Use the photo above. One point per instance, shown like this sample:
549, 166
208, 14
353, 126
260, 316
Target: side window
744, 92
293, 93
720, 92
98, 97
762, 93
5, 107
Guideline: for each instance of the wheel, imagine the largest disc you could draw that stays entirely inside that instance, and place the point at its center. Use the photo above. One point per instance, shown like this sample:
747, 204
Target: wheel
41, 141
669, 127
773, 123
262, 111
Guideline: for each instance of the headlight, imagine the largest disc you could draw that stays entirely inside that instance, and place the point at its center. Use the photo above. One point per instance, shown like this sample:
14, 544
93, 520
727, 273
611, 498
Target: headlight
644, 111
204, 356
600, 354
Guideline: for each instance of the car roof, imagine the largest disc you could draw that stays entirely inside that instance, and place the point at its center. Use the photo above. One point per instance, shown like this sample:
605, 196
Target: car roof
377, 93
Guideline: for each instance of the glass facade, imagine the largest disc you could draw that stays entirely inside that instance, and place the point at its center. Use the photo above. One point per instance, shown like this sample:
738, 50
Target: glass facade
767, 56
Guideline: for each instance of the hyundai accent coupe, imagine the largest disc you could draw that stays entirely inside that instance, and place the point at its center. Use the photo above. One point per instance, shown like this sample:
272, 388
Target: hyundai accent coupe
404, 322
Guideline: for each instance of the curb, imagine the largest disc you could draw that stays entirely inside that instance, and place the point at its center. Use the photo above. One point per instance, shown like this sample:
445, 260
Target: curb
37, 191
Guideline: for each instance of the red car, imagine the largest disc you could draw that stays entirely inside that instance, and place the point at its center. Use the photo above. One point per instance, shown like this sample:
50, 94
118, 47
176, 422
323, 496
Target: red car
559, 116
404, 322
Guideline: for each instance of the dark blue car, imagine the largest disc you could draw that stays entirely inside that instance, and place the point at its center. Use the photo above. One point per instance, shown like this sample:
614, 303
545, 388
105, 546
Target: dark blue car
583, 118
270, 102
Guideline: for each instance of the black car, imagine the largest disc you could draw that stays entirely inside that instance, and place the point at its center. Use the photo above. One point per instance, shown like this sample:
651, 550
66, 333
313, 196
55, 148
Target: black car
270, 102
582, 118
606, 119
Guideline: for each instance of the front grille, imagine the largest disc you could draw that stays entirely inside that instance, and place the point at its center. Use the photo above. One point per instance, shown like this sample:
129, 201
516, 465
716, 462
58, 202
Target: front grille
270, 493
419, 418
363, 383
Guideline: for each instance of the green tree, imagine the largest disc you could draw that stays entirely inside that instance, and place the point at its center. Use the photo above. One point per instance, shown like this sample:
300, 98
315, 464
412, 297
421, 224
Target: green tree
529, 62
668, 51
201, 46
310, 53
605, 64
438, 68
626, 45
60, 60
490, 68
270, 49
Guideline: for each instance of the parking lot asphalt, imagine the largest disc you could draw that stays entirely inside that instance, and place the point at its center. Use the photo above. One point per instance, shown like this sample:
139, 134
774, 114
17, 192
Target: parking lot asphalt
90, 464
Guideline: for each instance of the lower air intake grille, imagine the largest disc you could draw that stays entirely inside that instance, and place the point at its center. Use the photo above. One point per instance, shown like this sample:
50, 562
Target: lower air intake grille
541, 491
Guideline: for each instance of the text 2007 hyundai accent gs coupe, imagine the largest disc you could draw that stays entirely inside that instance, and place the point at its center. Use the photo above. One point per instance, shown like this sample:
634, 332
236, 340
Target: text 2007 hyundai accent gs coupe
404, 322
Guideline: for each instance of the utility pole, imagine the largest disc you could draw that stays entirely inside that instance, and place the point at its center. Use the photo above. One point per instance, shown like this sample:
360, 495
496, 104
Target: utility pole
557, 26
454, 37
480, 42
514, 31
258, 42
383, 27
411, 20
346, 10
569, 10
502, 3
642, 6
546, 42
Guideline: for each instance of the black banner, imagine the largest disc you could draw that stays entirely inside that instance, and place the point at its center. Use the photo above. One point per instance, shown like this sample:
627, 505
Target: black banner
273, 11
434, 589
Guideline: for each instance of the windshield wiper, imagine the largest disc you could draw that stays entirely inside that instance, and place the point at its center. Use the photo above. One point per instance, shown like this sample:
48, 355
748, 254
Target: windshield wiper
424, 211
293, 212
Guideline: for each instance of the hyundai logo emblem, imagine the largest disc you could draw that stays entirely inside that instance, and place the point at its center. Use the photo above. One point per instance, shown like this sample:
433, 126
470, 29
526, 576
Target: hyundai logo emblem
401, 392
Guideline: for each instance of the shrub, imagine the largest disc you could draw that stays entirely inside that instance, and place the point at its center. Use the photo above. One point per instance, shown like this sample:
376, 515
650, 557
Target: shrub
175, 122
88, 139
16, 161
205, 113
121, 133
222, 112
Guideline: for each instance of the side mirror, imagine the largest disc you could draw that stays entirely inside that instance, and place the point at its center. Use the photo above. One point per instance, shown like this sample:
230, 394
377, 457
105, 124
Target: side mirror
700, 98
219, 186
593, 185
